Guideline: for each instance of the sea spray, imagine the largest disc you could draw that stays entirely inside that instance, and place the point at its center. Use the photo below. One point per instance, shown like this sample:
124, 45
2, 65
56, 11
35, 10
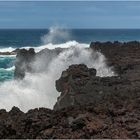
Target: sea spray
56, 35
38, 89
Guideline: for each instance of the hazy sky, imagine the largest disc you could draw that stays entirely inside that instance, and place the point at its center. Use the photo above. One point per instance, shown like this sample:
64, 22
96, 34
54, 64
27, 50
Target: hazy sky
72, 14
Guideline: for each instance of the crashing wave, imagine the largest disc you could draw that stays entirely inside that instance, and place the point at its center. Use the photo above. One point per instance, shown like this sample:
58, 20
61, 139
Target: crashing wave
38, 89
48, 46
8, 69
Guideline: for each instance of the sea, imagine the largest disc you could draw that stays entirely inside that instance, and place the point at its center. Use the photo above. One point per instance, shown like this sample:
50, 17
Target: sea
11, 39
38, 89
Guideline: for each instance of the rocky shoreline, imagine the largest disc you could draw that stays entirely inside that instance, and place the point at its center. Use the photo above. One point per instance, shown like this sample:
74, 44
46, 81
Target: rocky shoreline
14, 52
89, 106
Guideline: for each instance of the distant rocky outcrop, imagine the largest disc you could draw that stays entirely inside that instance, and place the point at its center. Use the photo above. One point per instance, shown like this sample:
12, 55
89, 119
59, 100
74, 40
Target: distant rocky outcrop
7, 53
124, 57
23, 62
29, 61
14, 52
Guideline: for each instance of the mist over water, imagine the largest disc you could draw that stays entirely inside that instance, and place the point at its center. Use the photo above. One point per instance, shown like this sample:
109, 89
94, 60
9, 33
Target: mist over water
56, 35
38, 89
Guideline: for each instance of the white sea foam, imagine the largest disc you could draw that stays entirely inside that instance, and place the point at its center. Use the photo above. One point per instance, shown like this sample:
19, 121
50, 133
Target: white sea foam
8, 49
50, 46
8, 69
7, 56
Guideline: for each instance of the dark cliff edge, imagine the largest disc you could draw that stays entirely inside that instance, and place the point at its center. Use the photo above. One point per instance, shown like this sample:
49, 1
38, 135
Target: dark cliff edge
89, 106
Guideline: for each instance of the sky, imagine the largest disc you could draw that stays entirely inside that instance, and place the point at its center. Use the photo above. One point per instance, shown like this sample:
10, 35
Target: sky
70, 14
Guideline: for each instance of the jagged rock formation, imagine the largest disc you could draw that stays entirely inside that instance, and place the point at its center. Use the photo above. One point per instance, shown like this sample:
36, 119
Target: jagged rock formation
73, 84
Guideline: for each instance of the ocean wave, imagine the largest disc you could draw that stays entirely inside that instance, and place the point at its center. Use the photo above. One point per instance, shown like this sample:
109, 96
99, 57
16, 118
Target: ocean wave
57, 37
8, 69
8, 49
48, 46
7, 56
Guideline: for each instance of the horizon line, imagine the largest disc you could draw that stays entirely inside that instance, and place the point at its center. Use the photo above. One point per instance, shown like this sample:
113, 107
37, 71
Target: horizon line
69, 0
66, 28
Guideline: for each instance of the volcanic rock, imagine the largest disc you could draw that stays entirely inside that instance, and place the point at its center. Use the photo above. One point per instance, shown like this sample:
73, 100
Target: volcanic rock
88, 106
124, 57
112, 119
23, 62
79, 85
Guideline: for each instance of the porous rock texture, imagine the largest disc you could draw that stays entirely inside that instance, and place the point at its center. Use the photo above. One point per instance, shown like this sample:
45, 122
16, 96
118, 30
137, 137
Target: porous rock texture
115, 119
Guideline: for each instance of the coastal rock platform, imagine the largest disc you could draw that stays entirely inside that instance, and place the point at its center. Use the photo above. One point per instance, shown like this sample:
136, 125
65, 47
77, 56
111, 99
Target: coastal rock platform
88, 106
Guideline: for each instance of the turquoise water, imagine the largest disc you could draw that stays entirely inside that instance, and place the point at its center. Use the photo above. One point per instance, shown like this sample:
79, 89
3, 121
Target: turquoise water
6, 67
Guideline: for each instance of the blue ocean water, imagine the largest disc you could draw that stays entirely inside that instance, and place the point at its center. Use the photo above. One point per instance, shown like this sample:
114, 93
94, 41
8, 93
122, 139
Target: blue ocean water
31, 37
17, 38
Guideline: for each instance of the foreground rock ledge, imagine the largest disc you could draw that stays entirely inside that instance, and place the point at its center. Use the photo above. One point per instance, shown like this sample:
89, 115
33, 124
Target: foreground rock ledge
119, 119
